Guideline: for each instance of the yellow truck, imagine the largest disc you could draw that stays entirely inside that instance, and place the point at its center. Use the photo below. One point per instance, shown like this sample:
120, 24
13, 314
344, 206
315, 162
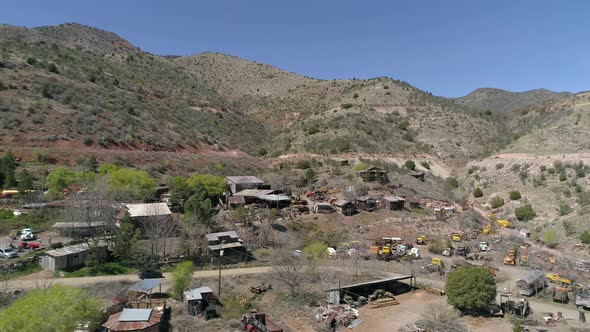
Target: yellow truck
487, 229
556, 278
504, 223
437, 261
456, 237
421, 239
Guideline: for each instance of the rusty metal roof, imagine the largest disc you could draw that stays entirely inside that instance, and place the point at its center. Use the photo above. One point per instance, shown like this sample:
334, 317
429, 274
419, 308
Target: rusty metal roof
117, 322
236, 200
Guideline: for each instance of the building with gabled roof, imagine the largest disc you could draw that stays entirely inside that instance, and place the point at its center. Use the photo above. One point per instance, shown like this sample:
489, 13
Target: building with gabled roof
239, 183
200, 301
138, 210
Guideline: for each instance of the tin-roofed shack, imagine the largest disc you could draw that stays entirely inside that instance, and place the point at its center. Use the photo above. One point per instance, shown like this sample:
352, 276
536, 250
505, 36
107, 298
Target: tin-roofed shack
392, 203
531, 283
323, 207
412, 201
200, 301
373, 174
141, 295
67, 257
366, 203
231, 244
235, 201
345, 207
145, 320
239, 183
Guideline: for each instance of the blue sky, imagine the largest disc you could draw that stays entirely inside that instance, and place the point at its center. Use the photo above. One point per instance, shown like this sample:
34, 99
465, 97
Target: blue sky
446, 47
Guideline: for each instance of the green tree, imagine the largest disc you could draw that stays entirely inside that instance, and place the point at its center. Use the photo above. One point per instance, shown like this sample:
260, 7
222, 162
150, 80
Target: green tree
515, 195
315, 249
562, 176
516, 326
497, 202
36, 311
126, 244
180, 278
215, 185
525, 213
8, 166
477, 193
60, 178
470, 288
107, 168
550, 238
25, 181
91, 164
410, 164
200, 208
127, 184
585, 237
360, 167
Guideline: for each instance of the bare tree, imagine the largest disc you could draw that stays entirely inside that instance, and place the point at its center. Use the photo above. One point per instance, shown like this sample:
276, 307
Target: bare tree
193, 235
158, 225
291, 270
90, 214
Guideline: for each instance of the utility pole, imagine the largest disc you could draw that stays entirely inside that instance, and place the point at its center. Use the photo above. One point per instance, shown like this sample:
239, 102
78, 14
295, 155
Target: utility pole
219, 263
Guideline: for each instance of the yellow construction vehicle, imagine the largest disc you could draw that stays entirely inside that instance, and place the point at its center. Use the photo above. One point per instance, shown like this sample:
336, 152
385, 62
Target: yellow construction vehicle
487, 229
510, 258
421, 239
456, 237
504, 223
437, 261
553, 277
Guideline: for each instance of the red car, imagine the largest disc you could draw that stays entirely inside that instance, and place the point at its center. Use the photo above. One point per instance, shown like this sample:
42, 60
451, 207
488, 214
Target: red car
27, 245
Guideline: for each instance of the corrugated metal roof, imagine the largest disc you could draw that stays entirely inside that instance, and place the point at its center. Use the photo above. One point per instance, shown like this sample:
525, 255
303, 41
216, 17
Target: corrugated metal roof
393, 199
254, 192
247, 179
215, 236
341, 202
75, 249
135, 315
196, 294
532, 276
75, 224
236, 200
145, 285
225, 246
274, 198
149, 209
115, 324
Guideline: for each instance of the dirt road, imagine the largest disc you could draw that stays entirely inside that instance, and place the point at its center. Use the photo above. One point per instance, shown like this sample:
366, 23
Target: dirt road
41, 280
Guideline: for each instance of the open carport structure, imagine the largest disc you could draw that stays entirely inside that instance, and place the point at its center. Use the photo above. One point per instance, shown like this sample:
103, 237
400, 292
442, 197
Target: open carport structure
394, 285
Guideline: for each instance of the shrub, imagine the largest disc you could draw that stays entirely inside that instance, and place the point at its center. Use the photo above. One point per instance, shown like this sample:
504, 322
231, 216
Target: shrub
410, 164
525, 213
477, 193
562, 176
515, 168
497, 202
261, 152
360, 167
564, 209
581, 172
52, 68
425, 165
315, 249
515, 195
550, 238
87, 141
499, 165
472, 169
453, 182
438, 246
32, 61
41, 156
470, 288
346, 105
407, 136
181, 278
303, 164
355, 96
585, 237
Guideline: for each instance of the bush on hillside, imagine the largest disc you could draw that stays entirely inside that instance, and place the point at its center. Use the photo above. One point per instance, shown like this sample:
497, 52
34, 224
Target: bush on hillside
515, 195
477, 193
550, 238
410, 164
497, 202
453, 182
564, 209
585, 237
525, 213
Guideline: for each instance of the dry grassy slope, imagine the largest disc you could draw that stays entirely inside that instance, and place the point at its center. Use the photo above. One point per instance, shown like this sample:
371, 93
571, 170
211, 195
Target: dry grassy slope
506, 101
560, 127
119, 96
128, 99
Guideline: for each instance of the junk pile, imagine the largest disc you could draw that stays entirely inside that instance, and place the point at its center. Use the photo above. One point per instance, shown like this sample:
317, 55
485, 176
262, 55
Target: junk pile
381, 299
344, 315
260, 289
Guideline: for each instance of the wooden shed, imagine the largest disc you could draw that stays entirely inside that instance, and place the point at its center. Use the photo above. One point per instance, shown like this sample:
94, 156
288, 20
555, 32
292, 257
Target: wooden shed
198, 300
366, 203
66, 257
392, 203
373, 174
345, 207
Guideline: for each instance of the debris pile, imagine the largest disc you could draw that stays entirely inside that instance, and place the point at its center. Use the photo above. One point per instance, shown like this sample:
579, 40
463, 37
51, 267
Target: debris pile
381, 299
344, 315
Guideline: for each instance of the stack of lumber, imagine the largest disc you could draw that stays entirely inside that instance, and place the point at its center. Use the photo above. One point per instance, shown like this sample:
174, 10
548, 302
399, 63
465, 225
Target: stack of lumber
383, 302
